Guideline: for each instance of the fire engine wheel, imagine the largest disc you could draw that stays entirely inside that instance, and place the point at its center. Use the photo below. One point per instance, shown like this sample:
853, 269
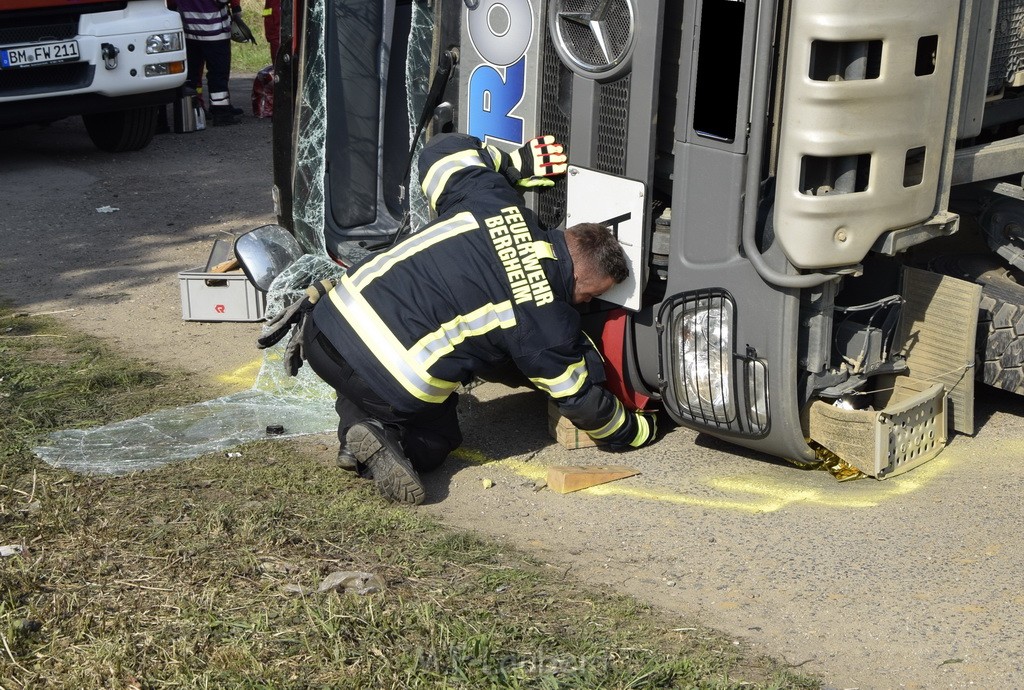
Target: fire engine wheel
1000, 341
125, 130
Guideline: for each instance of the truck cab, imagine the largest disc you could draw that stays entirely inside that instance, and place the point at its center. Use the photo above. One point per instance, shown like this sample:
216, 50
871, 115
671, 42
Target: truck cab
821, 201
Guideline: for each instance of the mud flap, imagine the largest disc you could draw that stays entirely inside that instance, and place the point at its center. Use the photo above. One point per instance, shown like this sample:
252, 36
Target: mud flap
938, 332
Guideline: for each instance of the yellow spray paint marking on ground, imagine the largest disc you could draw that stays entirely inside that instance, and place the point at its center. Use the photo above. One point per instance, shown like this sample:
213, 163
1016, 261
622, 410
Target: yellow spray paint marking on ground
523, 469
683, 499
753, 494
244, 376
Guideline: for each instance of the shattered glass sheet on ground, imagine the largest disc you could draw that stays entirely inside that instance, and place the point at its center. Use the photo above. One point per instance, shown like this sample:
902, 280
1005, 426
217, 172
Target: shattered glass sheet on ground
301, 405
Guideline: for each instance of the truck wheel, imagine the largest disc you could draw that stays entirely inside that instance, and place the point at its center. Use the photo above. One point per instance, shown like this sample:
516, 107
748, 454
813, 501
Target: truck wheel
1000, 319
1001, 324
124, 130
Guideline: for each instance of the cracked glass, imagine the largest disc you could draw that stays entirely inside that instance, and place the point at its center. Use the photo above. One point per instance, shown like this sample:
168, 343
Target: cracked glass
278, 405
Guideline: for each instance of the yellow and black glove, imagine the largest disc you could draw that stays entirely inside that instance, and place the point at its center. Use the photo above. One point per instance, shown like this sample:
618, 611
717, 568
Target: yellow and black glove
641, 430
536, 161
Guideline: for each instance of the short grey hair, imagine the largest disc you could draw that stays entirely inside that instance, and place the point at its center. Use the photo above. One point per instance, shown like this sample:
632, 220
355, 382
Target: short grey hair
594, 244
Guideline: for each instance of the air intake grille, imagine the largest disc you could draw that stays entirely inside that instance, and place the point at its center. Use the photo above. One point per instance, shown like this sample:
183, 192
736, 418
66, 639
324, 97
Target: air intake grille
613, 116
1008, 47
28, 80
49, 23
556, 94
60, 31
594, 35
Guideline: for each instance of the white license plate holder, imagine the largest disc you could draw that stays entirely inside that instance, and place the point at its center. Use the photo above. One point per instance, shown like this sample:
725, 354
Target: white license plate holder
16, 57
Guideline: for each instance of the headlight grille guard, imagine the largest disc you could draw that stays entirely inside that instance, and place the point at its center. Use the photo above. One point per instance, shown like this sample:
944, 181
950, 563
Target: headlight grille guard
702, 379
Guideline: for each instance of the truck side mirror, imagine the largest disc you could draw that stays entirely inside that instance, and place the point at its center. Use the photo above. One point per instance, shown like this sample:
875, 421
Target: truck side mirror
265, 252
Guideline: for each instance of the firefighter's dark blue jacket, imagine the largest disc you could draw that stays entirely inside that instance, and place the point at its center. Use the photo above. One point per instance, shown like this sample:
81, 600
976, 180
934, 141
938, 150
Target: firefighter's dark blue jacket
482, 284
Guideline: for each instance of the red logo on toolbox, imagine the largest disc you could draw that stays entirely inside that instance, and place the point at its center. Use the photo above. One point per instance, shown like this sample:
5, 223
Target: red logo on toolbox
219, 308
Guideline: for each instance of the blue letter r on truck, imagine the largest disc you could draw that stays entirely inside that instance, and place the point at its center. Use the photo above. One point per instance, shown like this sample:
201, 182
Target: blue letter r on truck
492, 98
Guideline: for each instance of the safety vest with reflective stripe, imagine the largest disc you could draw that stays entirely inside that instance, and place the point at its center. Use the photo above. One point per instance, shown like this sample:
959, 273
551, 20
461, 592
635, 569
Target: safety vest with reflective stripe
481, 285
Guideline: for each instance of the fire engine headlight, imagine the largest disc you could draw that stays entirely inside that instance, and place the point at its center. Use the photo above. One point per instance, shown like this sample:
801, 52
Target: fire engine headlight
707, 381
164, 68
163, 43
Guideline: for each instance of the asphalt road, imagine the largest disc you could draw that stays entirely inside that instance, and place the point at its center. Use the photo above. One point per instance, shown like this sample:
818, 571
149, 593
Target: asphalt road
909, 582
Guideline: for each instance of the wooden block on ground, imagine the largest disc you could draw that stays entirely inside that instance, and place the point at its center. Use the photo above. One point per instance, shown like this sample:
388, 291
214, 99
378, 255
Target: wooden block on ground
563, 431
567, 478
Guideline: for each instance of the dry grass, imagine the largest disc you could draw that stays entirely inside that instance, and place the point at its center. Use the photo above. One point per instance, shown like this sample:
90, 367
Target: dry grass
204, 574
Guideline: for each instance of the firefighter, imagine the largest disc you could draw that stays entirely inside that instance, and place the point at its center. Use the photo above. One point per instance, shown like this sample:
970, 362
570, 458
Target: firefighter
272, 26
207, 25
481, 286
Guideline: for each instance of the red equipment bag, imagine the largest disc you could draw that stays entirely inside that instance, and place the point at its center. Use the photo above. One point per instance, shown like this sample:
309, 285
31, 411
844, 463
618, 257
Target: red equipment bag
263, 92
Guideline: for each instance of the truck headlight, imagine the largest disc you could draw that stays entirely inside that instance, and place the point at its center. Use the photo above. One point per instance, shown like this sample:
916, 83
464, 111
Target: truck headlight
163, 43
707, 382
703, 369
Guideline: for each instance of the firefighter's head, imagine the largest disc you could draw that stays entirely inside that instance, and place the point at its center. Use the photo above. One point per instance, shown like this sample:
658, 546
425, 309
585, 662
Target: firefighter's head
597, 259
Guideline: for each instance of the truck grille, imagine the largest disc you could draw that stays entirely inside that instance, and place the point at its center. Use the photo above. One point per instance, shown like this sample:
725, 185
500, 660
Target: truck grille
613, 116
48, 78
1007, 63
554, 121
57, 31
49, 23
570, 54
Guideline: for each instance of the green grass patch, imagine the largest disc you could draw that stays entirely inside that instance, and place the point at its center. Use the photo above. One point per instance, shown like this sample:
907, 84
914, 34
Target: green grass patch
247, 58
205, 574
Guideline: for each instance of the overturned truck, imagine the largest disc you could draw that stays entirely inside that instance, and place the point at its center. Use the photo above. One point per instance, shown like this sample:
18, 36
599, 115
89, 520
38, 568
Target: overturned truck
820, 200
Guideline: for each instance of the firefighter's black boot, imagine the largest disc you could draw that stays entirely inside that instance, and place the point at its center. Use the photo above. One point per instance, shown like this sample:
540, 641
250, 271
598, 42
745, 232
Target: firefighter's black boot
382, 456
347, 461
222, 115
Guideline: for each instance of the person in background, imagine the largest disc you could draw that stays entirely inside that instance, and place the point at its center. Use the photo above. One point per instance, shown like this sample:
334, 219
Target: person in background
207, 25
272, 26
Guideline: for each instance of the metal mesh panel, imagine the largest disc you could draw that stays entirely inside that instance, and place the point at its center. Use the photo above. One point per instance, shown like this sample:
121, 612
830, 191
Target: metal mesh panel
13, 35
914, 432
551, 204
1008, 46
613, 116
71, 75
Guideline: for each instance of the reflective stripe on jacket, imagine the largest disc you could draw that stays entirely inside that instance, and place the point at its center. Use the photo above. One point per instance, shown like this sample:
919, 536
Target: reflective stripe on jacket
205, 20
482, 284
